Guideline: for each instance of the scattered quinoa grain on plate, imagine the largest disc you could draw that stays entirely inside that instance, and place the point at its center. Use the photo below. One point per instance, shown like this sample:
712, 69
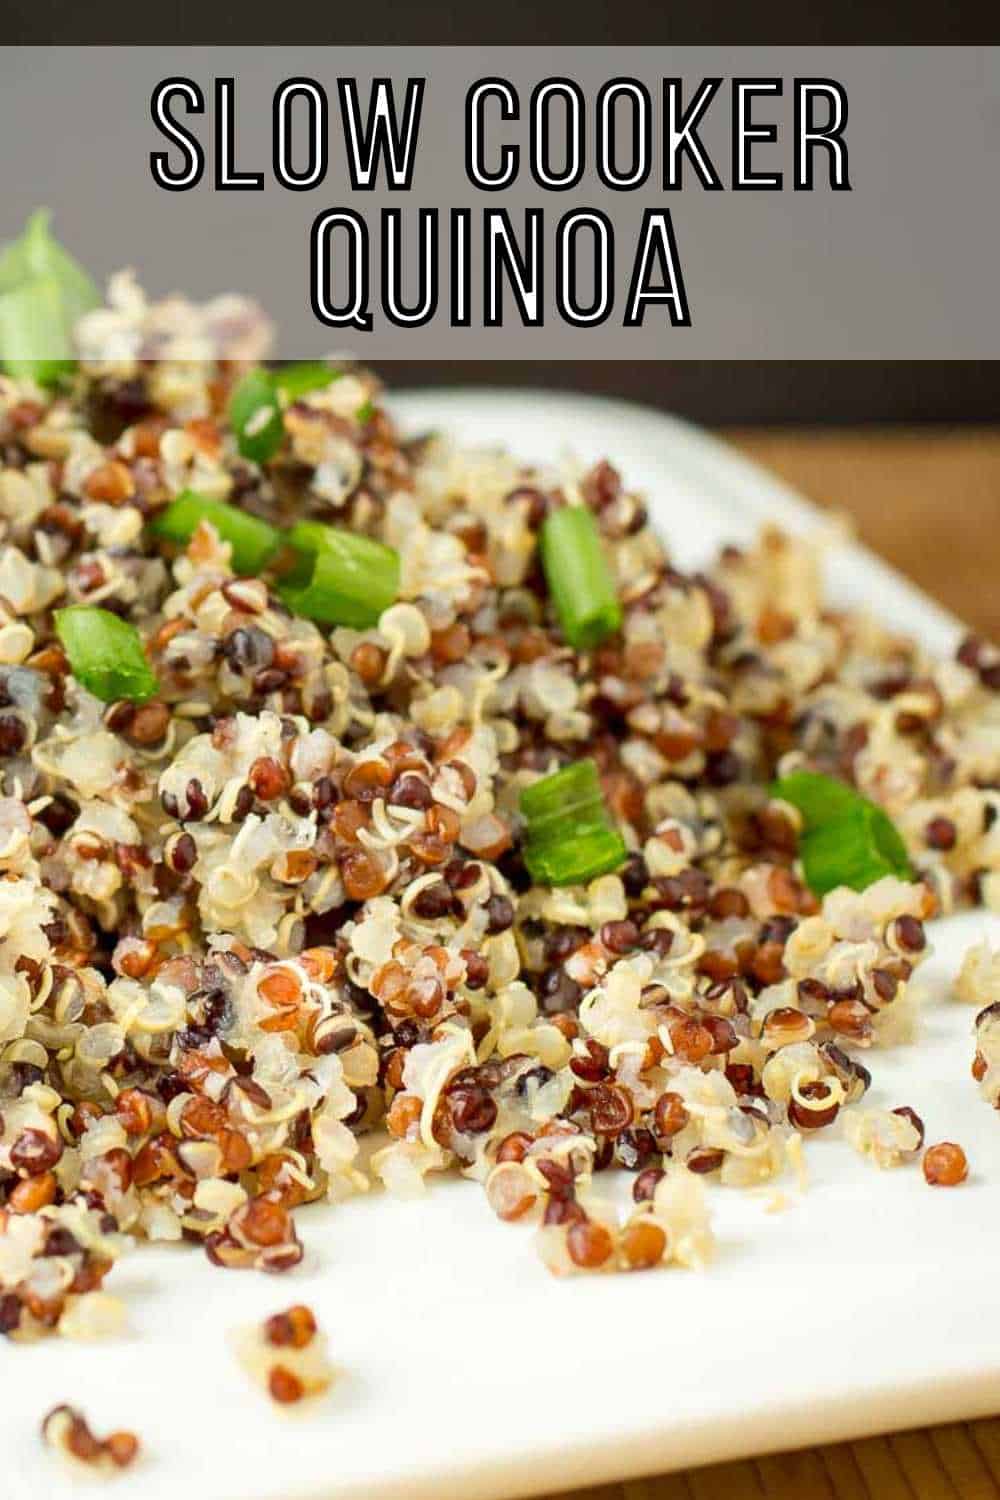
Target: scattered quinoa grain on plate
66, 1430
286, 1354
945, 1165
986, 1062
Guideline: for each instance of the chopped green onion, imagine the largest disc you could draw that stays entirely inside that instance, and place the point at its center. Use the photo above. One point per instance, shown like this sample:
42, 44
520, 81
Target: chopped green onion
294, 381
253, 541
573, 783
43, 291
105, 653
255, 416
256, 405
365, 412
37, 253
32, 319
570, 837
312, 537
854, 850
571, 861
574, 823
846, 839
342, 578
818, 798
568, 798
579, 579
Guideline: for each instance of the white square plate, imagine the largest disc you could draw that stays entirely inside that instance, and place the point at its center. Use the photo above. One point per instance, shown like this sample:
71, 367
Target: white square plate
872, 1303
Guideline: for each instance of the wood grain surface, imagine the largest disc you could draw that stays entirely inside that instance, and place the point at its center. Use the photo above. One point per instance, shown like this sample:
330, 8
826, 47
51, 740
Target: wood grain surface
959, 1461
929, 502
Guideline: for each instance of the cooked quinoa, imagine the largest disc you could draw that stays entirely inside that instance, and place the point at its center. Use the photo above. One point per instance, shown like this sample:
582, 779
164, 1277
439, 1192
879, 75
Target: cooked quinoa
66, 1431
283, 904
286, 1354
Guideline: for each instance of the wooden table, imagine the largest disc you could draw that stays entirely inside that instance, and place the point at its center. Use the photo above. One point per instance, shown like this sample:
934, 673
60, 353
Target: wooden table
930, 503
927, 501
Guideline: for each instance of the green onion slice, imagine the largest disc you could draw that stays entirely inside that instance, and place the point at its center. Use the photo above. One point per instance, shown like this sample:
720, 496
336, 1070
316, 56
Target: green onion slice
574, 820
37, 253
255, 416
847, 839
573, 783
43, 291
569, 835
253, 541
569, 799
105, 653
365, 412
818, 798
33, 318
257, 403
854, 850
294, 381
573, 860
579, 579
341, 578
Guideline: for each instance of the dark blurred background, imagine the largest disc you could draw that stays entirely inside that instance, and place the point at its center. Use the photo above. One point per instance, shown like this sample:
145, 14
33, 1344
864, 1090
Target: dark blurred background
740, 393
514, 22
718, 393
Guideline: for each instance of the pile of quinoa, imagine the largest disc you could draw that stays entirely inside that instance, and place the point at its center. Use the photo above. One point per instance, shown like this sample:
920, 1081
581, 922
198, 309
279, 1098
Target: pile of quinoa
283, 905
